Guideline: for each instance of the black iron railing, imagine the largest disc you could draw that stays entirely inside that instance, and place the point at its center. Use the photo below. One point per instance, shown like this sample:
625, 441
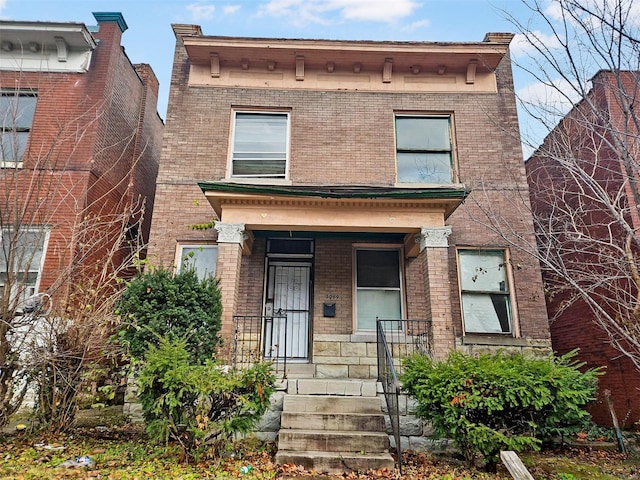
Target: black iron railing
260, 338
396, 340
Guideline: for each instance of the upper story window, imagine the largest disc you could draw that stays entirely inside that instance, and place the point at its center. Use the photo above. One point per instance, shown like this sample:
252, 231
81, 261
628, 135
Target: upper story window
21, 259
260, 146
201, 258
424, 149
484, 287
17, 109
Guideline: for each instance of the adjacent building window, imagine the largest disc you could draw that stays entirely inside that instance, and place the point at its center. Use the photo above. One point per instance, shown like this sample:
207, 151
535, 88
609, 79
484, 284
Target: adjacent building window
378, 286
21, 260
424, 149
16, 117
201, 258
486, 302
260, 144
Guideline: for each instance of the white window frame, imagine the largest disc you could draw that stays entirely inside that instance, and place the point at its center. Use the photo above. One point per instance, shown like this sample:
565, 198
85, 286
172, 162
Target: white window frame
29, 289
401, 289
451, 151
8, 130
507, 292
273, 177
180, 256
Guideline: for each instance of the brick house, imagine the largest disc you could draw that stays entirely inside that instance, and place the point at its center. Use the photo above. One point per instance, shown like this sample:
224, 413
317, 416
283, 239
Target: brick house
335, 172
80, 136
580, 184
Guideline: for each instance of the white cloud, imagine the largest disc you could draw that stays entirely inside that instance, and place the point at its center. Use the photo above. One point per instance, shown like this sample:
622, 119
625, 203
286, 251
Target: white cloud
525, 45
417, 25
201, 11
320, 11
3, 3
229, 9
557, 96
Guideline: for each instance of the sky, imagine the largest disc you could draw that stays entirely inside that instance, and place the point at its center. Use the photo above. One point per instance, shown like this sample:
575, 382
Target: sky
150, 38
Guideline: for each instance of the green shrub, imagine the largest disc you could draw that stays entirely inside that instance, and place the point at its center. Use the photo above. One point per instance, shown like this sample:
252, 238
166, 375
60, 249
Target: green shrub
158, 304
200, 405
499, 402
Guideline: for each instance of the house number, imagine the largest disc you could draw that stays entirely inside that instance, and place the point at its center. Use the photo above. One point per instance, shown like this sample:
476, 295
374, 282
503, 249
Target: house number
331, 296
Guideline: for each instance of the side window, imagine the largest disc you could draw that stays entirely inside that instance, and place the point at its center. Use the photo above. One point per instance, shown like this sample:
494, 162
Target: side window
260, 145
484, 290
21, 260
16, 117
424, 149
201, 258
378, 286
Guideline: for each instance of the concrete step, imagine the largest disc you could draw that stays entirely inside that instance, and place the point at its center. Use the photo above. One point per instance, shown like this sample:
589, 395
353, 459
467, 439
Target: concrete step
360, 422
331, 404
299, 370
335, 462
342, 387
332, 441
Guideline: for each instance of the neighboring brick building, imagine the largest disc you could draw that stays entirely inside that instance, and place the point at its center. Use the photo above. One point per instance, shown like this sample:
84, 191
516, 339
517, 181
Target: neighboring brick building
584, 194
81, 137
335, 172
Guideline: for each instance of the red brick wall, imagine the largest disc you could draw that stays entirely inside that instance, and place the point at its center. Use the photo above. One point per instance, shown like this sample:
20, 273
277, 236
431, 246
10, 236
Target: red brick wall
85, 133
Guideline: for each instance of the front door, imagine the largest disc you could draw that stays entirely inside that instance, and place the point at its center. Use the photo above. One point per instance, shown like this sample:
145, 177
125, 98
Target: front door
287, 310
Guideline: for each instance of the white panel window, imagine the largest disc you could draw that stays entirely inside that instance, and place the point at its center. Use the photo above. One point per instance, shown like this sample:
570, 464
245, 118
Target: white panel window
486, 301
260, 144
201, 258
378, 286
16, 117
21, 260
424, 149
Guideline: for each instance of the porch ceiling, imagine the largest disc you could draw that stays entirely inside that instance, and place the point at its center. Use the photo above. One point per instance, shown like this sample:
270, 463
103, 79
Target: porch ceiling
338, 209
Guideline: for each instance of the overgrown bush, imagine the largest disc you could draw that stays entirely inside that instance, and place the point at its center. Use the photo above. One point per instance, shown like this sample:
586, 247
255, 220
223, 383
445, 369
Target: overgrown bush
200, 405
499, 402
159, 304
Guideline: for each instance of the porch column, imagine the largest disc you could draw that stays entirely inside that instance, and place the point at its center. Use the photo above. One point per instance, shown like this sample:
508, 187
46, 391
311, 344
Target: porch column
231, 237
434, 254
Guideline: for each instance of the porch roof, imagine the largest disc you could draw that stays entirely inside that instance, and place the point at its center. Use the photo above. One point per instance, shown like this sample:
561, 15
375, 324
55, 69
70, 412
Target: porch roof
335, 208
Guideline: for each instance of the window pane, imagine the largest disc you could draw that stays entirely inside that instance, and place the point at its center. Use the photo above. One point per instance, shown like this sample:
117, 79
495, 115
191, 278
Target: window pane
26, 250
378, 268
12, 145
486, 313
260, 133
482, 271
202, 259
384, 304
259, 167
424, 167
16, 111
422, 133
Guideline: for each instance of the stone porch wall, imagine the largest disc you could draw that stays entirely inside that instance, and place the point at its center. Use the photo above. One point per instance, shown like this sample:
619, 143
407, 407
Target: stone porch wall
345, 356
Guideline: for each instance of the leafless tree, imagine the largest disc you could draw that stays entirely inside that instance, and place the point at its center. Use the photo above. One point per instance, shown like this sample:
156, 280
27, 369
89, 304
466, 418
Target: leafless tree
585, 57
89, 226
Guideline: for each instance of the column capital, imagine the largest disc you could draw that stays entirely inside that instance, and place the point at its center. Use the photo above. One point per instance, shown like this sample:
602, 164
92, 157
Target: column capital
434, 237
230, 232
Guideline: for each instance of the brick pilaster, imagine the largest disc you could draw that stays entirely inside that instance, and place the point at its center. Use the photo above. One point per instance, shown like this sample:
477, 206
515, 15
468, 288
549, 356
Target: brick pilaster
435, 264
230, 239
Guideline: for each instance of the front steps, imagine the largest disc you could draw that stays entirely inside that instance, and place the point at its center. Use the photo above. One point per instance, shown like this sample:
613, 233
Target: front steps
333, 426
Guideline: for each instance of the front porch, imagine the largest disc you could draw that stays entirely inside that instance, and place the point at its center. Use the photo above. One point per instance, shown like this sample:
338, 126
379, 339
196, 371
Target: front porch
305, 272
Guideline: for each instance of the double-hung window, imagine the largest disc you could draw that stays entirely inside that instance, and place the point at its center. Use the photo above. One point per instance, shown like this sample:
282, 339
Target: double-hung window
260, 146
378, 286
21, 259
17, 109
201, 258
484, 287
424, 152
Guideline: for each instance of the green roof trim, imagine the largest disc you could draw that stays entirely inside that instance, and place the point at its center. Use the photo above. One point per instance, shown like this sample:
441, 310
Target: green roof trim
339, 192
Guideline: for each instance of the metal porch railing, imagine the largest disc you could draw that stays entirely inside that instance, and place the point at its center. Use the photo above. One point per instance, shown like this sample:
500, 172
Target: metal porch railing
258, 338
396, 340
